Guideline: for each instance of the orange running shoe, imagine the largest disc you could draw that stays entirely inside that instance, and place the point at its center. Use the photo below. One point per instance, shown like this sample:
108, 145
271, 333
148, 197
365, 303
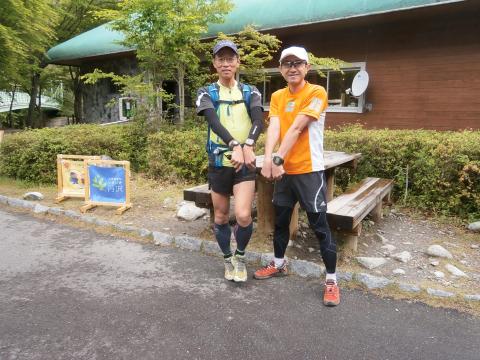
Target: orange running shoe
331, 295
271, 270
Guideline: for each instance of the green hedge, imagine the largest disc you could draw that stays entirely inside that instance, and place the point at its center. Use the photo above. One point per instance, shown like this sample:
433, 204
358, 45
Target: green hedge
31, 155
176, 154
443, 167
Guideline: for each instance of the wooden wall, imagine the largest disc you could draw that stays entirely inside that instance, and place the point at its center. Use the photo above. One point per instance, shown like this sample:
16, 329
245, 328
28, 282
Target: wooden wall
424, 67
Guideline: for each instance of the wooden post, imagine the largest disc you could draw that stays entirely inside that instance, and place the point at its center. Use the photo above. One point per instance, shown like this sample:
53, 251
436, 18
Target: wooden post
330, 175
265, 210
1, 135
294, 223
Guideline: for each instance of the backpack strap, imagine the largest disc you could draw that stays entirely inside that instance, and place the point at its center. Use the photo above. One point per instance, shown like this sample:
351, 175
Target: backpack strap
213, 91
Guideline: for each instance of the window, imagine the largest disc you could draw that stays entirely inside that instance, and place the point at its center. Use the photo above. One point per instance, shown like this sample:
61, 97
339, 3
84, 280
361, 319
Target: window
126, 108
335, 82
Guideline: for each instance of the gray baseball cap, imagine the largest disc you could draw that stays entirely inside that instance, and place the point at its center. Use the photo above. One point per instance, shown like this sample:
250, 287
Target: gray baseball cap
224, 43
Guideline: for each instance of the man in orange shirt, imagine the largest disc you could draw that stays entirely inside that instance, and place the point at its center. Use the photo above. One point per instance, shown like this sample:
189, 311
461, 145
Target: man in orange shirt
297, 117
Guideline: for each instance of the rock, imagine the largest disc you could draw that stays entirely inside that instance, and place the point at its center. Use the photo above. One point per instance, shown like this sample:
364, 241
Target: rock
439, 293
344, 275
20, 203
40, 209
167, 202
310, 249
101, 222
365, 244
34, 195
56, 211
211, 248
3, 199
160, 238
399, 272
455, 271
305, 268
474, 246
439, 274
373, 282
434, 262
439, 251
252, 256
475, 297
382, 238
144, 233
371, 262
188, 243
389, 248
290, 243
72, 214
403, 256
407, 243
190, 212
409, 288
475, 226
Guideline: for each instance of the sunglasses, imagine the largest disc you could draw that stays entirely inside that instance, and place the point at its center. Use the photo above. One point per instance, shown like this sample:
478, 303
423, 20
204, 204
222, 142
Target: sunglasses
289, 64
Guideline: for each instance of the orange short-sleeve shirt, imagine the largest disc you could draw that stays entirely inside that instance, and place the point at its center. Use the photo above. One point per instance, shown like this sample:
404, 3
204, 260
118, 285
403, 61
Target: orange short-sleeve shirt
306, 155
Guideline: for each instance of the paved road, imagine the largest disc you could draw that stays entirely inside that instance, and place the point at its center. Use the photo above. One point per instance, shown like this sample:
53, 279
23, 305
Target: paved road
67, 293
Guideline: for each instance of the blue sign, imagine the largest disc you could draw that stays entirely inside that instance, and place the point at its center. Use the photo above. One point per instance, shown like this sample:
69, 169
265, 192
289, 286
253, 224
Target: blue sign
107, 184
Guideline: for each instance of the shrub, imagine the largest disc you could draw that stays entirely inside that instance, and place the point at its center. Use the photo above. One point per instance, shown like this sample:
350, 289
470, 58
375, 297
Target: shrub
177, 155
31, 155
442, 169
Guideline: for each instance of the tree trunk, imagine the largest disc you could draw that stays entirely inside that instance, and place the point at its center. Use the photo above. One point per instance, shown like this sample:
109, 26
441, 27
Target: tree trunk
77, 88
181, 94
10, 117
33, 98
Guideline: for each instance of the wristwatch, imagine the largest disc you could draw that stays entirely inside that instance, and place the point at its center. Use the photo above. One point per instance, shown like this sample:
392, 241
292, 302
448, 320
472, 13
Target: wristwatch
232, 144
249, 142
278, 160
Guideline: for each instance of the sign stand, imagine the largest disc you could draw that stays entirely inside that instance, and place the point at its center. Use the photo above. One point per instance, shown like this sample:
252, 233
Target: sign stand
71, 176
107, 183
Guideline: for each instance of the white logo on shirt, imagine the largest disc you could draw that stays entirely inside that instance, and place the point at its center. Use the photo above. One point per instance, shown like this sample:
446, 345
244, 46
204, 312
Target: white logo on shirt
316, 104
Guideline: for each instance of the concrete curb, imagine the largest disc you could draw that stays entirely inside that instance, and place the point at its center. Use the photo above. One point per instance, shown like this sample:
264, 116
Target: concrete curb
302, 268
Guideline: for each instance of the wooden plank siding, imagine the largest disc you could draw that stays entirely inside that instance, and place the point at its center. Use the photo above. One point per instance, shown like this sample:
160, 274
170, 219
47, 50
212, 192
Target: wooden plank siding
424, 68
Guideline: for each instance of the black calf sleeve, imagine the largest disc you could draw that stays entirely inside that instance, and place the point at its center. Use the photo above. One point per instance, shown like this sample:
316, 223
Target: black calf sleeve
281, 234
328, 247
222, 234
243, 235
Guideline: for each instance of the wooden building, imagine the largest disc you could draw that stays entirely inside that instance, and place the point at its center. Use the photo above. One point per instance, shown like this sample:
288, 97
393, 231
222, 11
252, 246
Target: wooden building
422, 56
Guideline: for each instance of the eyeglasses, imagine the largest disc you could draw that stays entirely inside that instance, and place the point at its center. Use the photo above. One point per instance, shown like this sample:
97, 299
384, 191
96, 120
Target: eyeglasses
226, 60
289, 64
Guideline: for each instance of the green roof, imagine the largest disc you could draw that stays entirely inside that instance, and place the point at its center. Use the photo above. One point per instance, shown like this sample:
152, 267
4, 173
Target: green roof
264, 14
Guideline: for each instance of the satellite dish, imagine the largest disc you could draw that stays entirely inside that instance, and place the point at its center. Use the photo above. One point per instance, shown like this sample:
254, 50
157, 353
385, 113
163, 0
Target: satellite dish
359, 84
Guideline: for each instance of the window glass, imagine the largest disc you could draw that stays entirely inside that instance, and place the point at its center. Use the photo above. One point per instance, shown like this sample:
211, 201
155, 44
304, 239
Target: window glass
315, 78
338, 82
273, 82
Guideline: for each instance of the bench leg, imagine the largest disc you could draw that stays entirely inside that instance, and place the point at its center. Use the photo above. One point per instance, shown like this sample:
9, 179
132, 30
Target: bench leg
376, 213
349, 238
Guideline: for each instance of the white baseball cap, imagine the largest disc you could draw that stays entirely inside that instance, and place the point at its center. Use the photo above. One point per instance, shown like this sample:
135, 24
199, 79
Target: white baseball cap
297, 51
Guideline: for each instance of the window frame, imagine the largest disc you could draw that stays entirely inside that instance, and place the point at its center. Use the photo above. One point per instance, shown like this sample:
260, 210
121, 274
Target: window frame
333, 109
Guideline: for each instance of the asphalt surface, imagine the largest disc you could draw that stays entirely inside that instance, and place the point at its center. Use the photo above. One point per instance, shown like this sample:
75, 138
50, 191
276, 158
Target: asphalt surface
67, 293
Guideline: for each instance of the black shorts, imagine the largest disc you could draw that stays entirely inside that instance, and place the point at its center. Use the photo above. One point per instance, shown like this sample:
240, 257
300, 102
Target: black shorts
309, 189
222, 180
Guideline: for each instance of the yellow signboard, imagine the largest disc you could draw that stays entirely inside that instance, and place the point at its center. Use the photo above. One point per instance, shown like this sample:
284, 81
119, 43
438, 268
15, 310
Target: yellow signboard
71, 176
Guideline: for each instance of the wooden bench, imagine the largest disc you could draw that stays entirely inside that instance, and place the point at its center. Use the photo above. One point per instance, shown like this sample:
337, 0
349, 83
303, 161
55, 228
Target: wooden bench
346, 212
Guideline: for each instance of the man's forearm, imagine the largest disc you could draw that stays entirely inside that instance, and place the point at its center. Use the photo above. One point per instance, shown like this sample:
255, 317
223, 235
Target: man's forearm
273, 134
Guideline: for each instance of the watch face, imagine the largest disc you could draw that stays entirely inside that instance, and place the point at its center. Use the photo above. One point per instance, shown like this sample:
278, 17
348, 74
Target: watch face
249, 142
277, 160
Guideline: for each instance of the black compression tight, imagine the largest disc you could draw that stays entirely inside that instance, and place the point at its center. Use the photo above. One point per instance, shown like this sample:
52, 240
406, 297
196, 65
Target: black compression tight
319, 225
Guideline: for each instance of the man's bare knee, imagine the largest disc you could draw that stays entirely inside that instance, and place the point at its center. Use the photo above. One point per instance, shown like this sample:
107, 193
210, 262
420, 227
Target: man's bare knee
243, 218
